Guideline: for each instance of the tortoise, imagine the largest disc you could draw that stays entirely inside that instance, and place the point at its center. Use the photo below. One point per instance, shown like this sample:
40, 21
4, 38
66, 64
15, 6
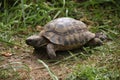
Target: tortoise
64, 34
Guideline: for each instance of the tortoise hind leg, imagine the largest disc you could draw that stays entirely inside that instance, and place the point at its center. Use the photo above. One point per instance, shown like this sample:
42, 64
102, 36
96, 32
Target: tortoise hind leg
51, 51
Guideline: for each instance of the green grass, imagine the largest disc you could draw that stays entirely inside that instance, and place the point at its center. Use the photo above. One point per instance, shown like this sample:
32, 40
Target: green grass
89, 72
103, 64
18, 21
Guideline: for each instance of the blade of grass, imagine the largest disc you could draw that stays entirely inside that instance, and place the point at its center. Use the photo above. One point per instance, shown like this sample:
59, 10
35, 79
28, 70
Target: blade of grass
75, 57
23, 13
66, 58
54, 77
57, 14
63, 3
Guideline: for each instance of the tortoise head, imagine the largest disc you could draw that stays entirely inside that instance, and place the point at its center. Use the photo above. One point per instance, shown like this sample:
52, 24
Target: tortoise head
101, 36
36, 41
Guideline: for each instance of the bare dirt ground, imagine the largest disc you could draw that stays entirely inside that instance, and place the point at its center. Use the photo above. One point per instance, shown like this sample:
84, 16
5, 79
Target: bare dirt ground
37, 70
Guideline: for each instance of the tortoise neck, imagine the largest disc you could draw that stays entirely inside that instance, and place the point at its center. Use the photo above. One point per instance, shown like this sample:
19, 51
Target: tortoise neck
44, 41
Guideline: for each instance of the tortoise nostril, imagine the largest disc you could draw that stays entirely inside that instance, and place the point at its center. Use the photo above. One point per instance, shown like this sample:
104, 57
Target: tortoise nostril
28, 41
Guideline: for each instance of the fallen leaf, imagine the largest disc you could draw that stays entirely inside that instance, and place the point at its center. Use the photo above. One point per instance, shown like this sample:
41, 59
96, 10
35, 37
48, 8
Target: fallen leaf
7, 54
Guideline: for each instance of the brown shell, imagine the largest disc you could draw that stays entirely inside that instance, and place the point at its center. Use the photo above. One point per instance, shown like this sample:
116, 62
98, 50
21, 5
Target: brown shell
67, 31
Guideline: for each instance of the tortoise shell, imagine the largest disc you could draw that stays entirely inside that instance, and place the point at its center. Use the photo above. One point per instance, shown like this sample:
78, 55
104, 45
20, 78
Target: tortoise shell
67, 31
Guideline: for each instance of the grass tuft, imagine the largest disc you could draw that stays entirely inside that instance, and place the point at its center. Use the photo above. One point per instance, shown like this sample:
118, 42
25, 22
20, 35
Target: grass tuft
14, 71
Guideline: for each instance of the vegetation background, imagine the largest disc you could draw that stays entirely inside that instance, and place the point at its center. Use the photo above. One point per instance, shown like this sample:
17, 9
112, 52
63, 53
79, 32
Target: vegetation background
19, 18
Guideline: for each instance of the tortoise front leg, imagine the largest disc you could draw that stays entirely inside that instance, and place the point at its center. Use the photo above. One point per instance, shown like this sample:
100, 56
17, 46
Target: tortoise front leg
95, 42
51, 51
